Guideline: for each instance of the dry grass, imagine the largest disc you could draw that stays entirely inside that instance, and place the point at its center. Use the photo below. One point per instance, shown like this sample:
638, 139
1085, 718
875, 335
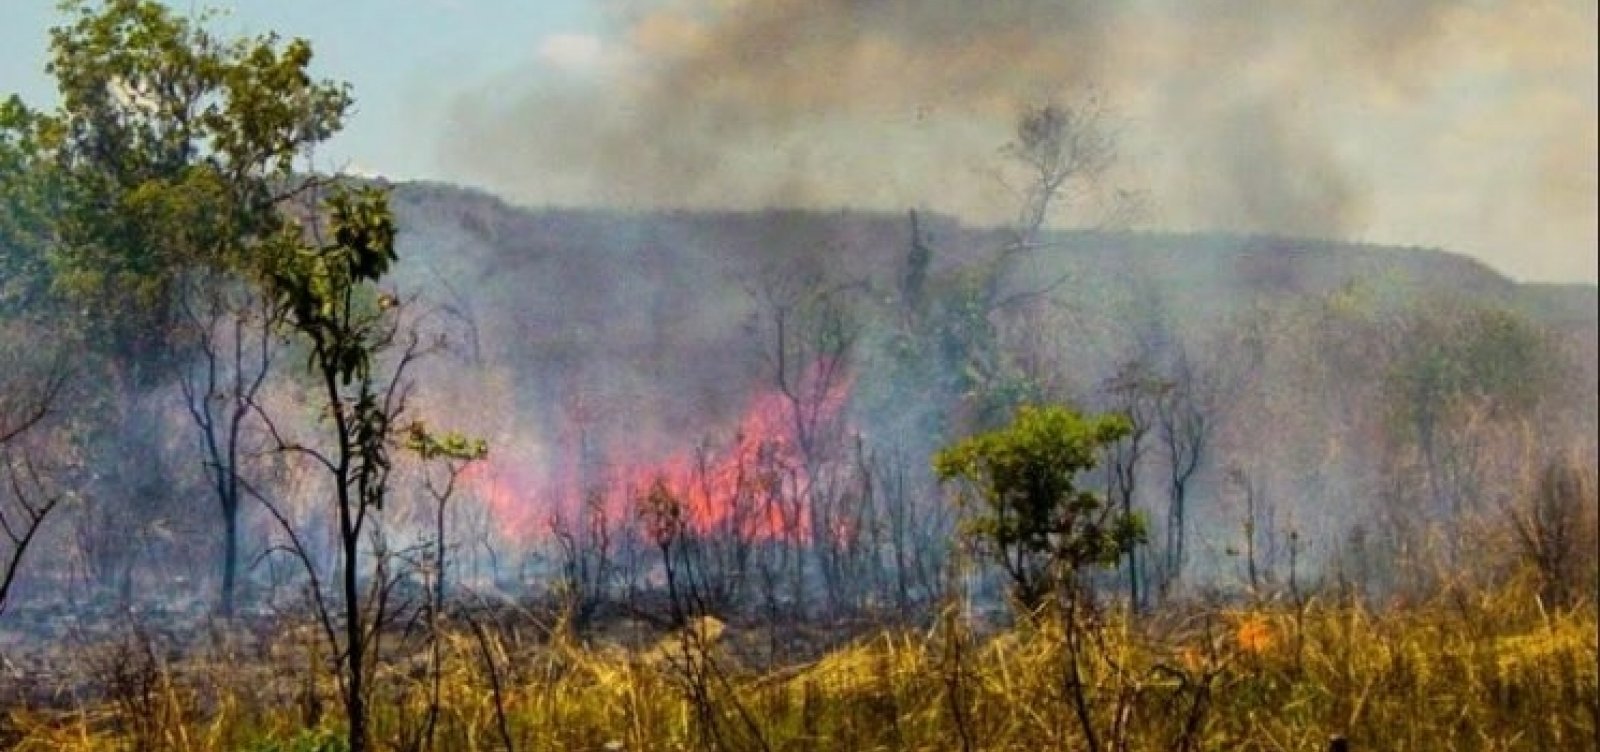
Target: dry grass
1487, 671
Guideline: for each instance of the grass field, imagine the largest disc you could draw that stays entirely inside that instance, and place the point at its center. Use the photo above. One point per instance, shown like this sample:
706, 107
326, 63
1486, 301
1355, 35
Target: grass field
1463, 671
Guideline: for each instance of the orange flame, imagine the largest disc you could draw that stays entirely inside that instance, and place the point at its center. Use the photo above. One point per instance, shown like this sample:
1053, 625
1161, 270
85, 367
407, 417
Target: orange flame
1254, 634
753, 488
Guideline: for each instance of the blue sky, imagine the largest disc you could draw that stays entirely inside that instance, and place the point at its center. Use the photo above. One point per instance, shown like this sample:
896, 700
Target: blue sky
403, 59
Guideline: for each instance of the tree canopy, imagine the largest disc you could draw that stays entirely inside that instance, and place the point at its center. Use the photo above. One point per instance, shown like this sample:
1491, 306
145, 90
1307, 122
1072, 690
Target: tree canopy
1031, 511
170, 150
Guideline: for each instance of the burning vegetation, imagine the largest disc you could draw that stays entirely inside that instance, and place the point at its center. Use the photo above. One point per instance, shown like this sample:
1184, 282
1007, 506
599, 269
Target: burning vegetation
313, 462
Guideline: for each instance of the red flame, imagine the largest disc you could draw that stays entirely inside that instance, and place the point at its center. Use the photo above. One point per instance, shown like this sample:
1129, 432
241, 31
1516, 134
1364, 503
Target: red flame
751, 487
497, 485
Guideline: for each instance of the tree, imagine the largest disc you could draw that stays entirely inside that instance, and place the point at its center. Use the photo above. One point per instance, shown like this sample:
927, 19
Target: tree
1459, 364
586, 544
27, 499
1185, 422
171, 149
1035, 519
1064, 154
359, 354
811, 337
997, 315
234, 336
156, 185
1137, 393
1555, 530
1031, 514
455, 453
24, 200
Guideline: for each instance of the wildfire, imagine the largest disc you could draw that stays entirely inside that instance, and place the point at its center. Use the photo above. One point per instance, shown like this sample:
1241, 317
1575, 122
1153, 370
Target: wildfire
496, 485
1254, 634
753, 486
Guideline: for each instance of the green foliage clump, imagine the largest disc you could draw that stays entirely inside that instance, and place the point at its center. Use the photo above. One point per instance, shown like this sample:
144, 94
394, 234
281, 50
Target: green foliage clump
171, 152
1486, 354
307, 740
1031, 512
429, 445
322, 285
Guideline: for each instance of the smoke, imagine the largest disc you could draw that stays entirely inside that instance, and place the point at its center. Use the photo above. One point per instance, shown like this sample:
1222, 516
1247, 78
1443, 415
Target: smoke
1457, 123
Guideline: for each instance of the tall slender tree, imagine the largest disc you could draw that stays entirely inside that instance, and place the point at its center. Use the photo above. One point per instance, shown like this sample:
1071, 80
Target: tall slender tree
359, 355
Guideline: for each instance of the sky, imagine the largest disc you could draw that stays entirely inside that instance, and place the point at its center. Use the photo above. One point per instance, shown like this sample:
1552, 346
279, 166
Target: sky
1464, 124
403, 58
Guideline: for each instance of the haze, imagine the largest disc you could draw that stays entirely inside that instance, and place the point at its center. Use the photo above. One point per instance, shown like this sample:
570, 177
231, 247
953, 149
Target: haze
1464, 125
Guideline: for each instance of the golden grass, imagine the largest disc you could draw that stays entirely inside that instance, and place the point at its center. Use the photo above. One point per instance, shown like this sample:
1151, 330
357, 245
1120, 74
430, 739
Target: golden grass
1492, 671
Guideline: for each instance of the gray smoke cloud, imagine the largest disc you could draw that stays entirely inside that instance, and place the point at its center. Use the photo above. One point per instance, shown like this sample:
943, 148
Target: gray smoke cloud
1467, 124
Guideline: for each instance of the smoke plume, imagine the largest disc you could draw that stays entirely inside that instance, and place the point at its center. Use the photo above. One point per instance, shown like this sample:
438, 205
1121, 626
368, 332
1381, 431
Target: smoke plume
1466, 124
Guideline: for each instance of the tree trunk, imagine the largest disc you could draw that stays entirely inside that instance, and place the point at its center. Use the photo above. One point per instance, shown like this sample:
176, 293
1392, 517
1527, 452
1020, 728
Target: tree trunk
1133, 558
230, 553
355, 694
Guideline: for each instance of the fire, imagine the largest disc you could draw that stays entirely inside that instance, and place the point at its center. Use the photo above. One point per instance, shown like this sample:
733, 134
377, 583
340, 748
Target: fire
749, 489
1254, 634
753, 486
496, 485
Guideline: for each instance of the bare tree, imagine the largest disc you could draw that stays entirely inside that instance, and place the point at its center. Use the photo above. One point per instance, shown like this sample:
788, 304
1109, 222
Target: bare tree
232, 331
1184, 426
1555, 530
30, 497
719, 550
662, 513
455, 453
586, 543
1258, 528
810, 337
917, 529
1065, 154
1136, 393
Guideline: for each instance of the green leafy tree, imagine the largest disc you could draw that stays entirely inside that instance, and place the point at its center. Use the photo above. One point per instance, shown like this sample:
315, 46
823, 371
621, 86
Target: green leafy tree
157, 187
25, 194
170, 149
1028, 508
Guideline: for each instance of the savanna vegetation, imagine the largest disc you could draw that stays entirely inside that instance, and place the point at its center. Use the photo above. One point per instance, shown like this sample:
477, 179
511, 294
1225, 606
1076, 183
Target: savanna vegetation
299, 461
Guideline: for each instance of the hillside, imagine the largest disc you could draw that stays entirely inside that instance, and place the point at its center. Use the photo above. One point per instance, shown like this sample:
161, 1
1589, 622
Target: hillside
668, 296
615, 339
572, 251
